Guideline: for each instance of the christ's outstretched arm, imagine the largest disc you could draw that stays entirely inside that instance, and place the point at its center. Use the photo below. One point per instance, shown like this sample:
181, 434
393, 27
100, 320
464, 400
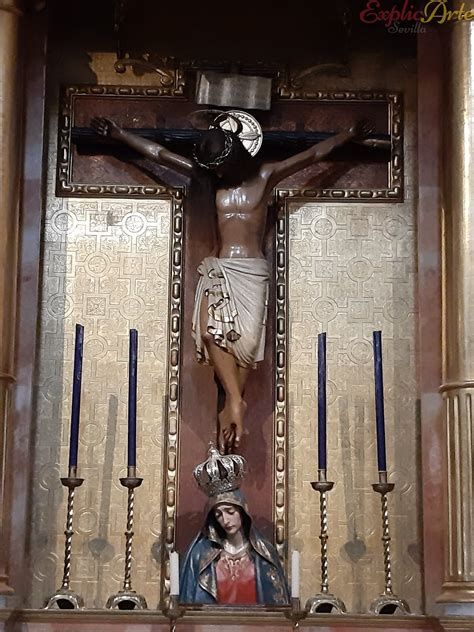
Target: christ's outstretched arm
285, 168
149, 149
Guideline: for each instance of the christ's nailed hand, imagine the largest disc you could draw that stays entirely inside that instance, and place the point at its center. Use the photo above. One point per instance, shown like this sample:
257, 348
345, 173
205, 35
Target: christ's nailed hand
104, 126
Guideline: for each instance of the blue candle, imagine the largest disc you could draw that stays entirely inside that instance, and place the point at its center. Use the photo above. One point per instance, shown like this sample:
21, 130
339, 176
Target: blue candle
379, 409
76, 395
132, 398
322, 456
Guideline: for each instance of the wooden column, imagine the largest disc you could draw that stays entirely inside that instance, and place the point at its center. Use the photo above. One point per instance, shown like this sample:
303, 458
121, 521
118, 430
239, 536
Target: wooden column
21, 436
430, 50
10, 116
458, 343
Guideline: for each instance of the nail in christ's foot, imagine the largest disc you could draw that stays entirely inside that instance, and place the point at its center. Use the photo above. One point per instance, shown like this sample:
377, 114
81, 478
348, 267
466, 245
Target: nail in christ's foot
231, 425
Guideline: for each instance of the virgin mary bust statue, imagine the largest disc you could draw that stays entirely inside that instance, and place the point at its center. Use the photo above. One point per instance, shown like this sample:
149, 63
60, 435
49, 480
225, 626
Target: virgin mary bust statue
229, 561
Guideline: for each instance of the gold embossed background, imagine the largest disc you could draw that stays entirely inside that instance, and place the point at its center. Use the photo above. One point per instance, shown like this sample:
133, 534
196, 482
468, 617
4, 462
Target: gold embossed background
352, 269
105, 265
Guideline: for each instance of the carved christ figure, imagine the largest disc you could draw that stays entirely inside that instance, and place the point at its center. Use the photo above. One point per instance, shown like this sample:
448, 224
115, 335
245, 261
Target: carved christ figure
231, 296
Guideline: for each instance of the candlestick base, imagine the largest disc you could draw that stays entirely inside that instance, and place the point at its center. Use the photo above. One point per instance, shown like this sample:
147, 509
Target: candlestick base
295, 613
389, 604
325, 603
64, 599
126, 600
173, 611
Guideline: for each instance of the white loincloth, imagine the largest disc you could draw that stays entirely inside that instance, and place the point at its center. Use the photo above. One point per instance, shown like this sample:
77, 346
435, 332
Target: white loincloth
237, 299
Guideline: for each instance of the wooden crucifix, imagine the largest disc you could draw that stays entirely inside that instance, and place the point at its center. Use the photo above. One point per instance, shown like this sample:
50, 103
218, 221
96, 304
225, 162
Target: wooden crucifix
97, 166
232, 293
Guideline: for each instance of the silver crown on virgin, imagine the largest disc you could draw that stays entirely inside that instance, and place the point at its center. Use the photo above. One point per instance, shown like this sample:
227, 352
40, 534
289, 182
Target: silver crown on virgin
220, 473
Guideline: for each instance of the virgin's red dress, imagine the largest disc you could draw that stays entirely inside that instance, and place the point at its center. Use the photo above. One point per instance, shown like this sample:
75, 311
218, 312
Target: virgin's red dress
236, 580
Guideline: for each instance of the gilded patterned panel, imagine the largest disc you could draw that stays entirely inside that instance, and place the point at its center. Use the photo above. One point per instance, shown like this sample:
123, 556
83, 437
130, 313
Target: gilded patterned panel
105, 265
352, 270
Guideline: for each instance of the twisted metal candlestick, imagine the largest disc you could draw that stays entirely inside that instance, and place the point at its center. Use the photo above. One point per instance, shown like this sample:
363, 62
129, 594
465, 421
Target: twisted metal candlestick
65, 598
387, 602
324, 601
128, 599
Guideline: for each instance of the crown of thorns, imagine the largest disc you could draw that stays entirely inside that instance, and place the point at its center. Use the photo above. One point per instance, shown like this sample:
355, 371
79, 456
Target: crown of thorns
220, 158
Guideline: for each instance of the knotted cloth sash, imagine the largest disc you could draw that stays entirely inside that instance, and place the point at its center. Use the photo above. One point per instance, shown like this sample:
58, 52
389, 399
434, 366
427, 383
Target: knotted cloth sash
236, 293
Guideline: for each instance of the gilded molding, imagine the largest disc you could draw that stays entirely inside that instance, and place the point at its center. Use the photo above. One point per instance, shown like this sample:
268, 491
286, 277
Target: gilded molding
280, 449
296, 79
172, 77
172, 72
393, 192
172, 413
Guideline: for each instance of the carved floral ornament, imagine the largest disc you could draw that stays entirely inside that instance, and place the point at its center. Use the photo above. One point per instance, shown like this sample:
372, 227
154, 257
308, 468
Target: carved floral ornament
171, 71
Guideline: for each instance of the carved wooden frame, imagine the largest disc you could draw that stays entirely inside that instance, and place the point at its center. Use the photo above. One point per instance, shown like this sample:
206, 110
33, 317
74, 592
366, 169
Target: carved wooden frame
280, 424
394, 190
65, 187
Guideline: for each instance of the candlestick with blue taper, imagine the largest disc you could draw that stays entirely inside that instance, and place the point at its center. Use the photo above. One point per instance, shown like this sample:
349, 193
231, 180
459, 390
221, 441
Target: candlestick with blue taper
387, 602
379, 402
132, 400
127, 598
76, 399
324, 601
65, 598
322, 404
